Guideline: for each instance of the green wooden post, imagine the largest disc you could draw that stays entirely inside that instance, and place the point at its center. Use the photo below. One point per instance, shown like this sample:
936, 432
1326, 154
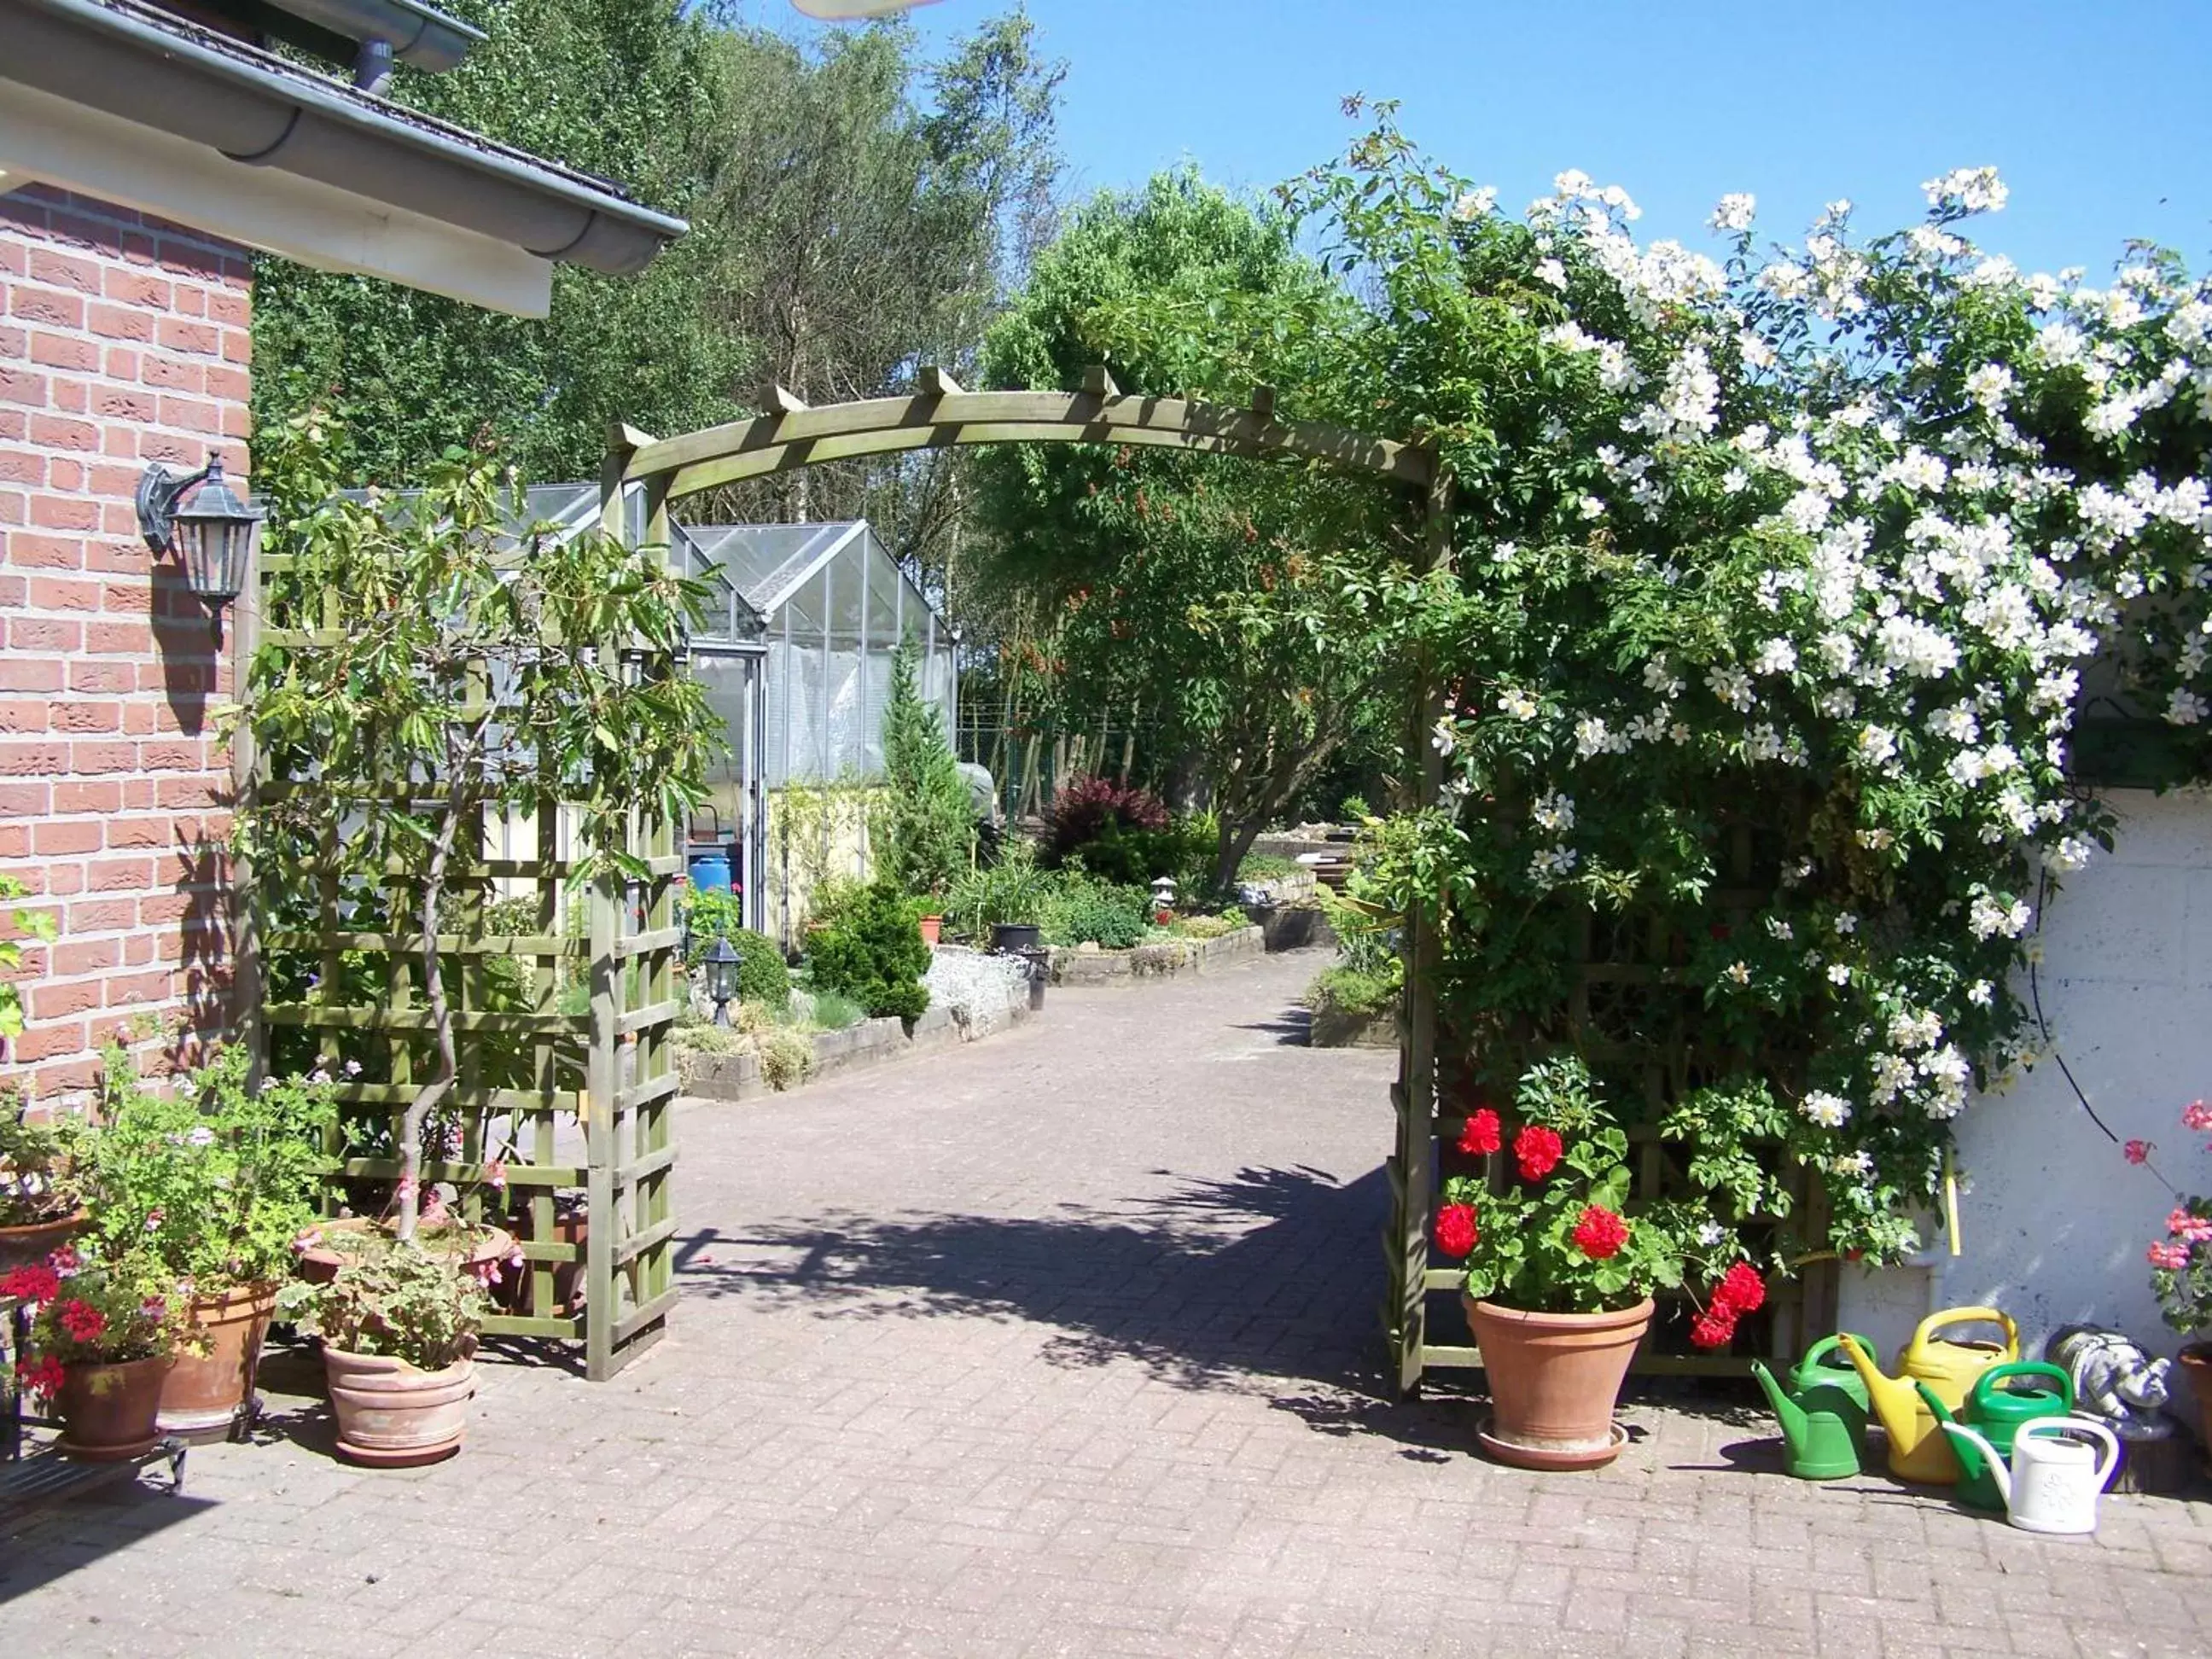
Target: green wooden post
602, 1145
1413, 1166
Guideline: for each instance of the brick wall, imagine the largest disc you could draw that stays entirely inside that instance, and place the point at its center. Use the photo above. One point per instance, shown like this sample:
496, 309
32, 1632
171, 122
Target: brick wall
123, 340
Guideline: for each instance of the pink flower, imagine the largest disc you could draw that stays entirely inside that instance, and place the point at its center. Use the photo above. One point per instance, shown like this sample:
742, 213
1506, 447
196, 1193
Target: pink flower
494, 1175
2197, 1115
2191, 1229
2172, 1257
153, 1221
2137, 1152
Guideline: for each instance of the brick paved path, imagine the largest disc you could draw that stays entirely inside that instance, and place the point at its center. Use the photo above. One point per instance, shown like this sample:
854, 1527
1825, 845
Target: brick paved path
1061, 1343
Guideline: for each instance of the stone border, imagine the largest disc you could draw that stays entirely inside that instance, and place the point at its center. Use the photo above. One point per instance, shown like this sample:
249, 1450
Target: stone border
1073, 965
1338, 1028
866, 1042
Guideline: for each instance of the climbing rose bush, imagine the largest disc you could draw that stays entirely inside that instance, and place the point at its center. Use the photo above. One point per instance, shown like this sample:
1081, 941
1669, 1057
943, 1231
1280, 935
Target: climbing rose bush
1781, 575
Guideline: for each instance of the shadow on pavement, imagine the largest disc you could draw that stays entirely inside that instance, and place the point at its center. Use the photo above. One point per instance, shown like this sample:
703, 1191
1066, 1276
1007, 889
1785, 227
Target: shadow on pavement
1293, 1028
1271, 1276
50, 1543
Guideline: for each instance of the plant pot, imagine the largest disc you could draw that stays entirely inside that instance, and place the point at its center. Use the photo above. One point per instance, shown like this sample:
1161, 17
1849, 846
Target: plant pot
319, 1264
204, 1390
392, 1415
21, 1247
932, 927
1555, 1379
512, 1293
2197, 1365
108, 1412
1014, 938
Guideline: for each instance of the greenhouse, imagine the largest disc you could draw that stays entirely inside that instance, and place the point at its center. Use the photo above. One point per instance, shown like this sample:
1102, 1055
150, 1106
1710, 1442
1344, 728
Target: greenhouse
796, 653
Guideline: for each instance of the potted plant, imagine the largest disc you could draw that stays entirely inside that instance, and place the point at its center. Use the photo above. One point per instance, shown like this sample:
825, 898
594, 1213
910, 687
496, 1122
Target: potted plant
39, 1204
399, 1325
1005, 901
1559, 1274
2181, 1266
214, 1181
103, 1338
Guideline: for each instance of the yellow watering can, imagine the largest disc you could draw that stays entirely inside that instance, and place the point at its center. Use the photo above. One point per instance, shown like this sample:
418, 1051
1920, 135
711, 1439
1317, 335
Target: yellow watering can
1918, 1450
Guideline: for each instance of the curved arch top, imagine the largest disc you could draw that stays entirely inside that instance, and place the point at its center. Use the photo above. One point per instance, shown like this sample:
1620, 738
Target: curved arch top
941, 414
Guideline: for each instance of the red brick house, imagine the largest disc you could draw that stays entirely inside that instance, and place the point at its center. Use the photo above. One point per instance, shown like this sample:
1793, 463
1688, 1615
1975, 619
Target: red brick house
143, 150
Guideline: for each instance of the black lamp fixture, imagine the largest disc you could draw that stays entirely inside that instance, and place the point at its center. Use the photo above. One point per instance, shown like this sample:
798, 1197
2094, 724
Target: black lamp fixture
721, 964
213, 534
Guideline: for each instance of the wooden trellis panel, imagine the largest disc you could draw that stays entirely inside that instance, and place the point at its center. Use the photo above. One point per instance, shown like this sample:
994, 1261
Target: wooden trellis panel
1634, 1025
574, 1100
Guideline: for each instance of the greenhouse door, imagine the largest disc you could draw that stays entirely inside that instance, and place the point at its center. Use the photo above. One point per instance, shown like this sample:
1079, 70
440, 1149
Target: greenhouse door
734, 822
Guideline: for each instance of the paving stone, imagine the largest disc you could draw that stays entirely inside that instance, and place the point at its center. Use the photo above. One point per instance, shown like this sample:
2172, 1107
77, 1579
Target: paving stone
1060, 1344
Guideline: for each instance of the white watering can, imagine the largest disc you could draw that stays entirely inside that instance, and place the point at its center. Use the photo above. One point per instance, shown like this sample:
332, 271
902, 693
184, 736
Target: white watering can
2055, 1474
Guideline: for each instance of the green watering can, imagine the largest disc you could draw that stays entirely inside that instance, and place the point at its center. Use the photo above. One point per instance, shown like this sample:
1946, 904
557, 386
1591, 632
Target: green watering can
1996, 1412
1823, 1412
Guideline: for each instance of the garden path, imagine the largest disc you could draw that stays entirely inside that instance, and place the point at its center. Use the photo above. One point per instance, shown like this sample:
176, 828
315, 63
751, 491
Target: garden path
1063, 1342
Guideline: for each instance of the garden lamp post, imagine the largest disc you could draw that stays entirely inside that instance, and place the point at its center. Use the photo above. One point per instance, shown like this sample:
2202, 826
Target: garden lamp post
722, 978
200, 519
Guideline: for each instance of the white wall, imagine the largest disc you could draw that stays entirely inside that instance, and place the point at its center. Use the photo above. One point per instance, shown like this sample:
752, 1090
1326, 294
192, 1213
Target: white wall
2054, 1228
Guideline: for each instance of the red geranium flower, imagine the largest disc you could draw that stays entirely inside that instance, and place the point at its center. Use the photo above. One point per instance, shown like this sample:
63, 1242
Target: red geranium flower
2136, 1152
42, 1376
1740, 1289
1715, 1328
1599, 1233
37, 1284
82, 1320
1455, 1228
1482, 1136
1538, 1148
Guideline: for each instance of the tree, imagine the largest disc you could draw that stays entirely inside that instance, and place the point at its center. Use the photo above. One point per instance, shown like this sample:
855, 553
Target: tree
1202, 596
621, 90
929, 840
448, 678
855, 210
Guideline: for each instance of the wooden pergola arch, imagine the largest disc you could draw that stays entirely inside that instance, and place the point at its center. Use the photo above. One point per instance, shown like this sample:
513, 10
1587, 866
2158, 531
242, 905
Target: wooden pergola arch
939, 415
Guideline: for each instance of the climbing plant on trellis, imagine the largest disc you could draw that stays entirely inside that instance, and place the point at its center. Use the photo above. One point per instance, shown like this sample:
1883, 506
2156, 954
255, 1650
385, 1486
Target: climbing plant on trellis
462, 898
1628, 1013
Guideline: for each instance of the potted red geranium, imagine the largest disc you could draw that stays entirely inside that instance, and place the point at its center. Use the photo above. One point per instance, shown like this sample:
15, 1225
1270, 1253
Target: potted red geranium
102, 1340
1560, 1272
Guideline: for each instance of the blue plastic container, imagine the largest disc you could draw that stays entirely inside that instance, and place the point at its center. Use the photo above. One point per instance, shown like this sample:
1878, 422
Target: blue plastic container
709, 871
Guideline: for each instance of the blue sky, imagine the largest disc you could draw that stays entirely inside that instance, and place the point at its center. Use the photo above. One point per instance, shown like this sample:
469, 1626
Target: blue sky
2099, 114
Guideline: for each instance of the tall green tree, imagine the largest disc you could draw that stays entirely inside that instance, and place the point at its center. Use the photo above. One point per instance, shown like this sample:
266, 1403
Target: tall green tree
623, 90
1201, 595
856, 208
929, 840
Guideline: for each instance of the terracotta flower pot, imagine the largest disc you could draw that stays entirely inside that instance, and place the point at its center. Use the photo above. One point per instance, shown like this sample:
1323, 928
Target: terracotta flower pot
1555, 1379
932, 927
512, 1293
108, 1412
319, 1264
21, 1246
393, 1416
202, 1395
2197, 1365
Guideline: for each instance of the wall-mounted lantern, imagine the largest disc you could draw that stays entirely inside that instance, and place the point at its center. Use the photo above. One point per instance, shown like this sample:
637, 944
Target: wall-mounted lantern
212, 533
